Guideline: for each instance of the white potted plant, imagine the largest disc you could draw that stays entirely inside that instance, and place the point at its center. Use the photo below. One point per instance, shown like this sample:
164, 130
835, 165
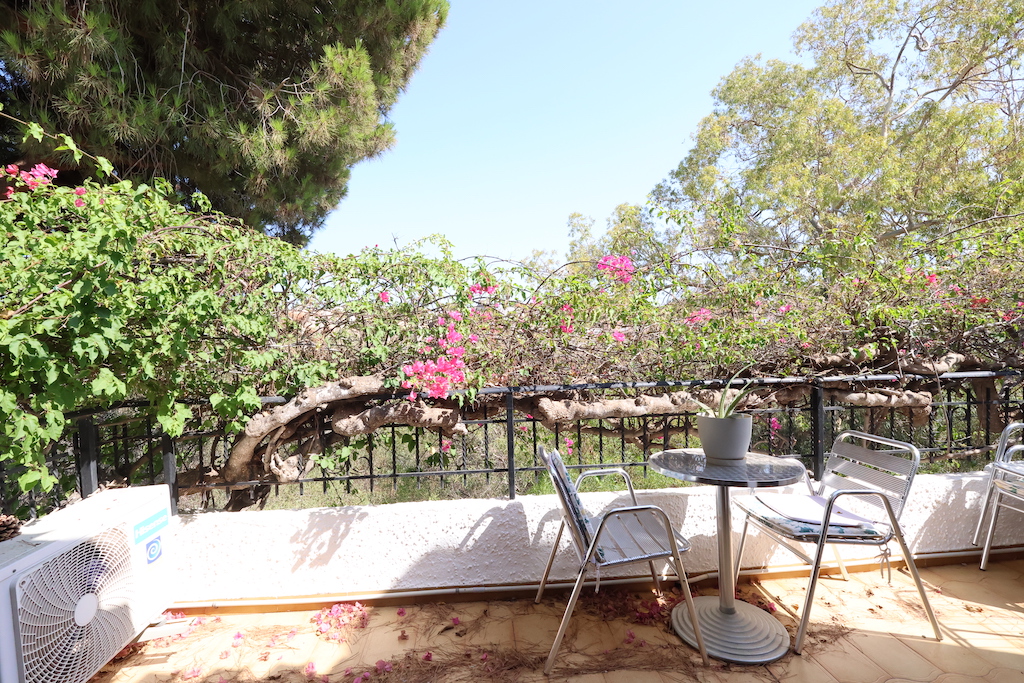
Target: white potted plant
724, 433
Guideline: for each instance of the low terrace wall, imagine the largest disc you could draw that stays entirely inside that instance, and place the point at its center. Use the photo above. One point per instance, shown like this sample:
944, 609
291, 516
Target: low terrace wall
478, 545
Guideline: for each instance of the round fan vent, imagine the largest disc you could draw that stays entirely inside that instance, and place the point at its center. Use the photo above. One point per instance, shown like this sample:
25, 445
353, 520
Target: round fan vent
75, 610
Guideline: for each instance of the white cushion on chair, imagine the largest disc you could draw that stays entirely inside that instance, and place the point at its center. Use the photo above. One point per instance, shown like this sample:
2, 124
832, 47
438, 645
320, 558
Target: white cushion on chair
810, 509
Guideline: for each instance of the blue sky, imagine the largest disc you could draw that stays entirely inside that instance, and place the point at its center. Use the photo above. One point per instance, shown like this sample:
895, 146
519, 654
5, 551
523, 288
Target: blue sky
523, 113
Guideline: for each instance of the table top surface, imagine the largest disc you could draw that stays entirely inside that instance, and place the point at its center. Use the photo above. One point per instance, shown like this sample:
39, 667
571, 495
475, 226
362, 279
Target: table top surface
754, 471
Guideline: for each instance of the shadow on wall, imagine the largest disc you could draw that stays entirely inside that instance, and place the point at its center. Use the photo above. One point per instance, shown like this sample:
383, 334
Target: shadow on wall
460, 545
509, 545
318, 543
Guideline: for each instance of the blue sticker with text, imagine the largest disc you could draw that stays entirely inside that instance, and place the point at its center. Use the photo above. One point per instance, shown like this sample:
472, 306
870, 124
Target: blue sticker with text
150, 526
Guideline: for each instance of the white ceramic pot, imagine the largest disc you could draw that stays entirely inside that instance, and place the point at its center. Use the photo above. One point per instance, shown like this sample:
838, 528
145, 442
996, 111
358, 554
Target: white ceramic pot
725, 440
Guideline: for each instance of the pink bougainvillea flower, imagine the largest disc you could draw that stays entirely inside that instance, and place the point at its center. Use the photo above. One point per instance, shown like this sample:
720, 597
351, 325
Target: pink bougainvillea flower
446, 445
697, 317
455, 315
455, 621
428, 657
79, 202
43, 171
618, 336
195, 672
774, 424
932, 279
12, 169
566, 327
619, 267
225, 654
80, 191
567, 308
785, 308
310, 670
483, 657
383, 666
385, 297
401, 612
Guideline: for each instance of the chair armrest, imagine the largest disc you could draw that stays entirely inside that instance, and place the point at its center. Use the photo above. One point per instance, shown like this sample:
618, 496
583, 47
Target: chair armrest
1007, 455
836, 495
601, 473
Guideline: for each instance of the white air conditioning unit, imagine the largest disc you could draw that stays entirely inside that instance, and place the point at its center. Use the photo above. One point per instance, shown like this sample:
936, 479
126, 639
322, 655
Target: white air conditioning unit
80, 584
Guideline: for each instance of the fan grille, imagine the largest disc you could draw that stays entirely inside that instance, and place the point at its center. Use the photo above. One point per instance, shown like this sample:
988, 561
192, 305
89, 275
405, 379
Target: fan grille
54, 645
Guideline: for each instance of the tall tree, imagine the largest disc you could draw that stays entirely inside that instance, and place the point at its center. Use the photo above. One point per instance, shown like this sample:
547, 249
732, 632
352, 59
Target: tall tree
263, 105
903, 119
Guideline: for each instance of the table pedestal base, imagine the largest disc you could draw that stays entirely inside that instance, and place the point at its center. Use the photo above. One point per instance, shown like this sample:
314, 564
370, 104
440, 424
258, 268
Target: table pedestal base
747, 636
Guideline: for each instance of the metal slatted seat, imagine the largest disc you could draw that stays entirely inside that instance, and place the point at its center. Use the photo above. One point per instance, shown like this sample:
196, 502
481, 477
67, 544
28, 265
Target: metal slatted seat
878, 479
638, 533
1006, 480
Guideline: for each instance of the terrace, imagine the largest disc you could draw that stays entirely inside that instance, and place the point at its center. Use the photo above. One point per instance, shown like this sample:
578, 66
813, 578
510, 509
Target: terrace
454, 578
862, 630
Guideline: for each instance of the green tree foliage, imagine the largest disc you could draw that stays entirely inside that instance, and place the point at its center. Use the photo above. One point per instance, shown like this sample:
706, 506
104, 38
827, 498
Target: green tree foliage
904, 119
112, 292
264, 106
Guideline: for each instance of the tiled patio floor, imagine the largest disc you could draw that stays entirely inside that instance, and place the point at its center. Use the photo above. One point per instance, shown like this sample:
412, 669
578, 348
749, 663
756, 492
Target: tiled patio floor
863, 631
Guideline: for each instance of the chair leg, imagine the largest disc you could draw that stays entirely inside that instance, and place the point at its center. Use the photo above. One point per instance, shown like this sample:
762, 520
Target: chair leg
743, 542
991, 529
839, 561
984, 508
917, 577
551, 560
809, 598
691, 609
565, 619
654, 575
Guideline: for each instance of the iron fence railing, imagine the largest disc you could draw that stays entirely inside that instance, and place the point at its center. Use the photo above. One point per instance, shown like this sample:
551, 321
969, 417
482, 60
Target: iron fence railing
497, 454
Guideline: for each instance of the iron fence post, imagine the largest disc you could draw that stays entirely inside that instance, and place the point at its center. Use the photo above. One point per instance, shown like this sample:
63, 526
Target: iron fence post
818, 427
510, 445
88, 457
170, 470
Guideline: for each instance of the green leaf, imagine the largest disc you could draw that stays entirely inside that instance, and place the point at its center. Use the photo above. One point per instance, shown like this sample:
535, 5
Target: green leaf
104, 167
34, 130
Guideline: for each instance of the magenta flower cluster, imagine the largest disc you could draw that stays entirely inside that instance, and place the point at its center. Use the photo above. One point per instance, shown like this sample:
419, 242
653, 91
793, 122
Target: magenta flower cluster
619, 267
699, 316
40, 175
437, 377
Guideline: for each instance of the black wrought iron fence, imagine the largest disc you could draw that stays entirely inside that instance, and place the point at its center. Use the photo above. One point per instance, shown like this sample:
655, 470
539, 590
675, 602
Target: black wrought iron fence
496, 457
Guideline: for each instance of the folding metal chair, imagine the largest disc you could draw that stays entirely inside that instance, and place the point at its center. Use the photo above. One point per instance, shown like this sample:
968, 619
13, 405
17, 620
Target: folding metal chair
880, 477
638, 533
1006, 479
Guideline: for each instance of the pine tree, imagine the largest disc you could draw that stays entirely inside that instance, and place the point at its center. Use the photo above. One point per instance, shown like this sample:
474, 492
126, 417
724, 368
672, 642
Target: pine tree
263, 105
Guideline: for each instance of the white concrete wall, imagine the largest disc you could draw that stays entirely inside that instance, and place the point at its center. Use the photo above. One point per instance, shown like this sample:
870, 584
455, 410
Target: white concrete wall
468, 543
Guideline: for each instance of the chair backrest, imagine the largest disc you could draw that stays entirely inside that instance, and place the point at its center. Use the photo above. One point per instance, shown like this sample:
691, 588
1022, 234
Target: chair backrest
575, 517
1011, 434
889, 470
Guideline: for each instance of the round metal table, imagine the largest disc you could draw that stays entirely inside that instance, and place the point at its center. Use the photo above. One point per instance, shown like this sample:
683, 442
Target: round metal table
733, 631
